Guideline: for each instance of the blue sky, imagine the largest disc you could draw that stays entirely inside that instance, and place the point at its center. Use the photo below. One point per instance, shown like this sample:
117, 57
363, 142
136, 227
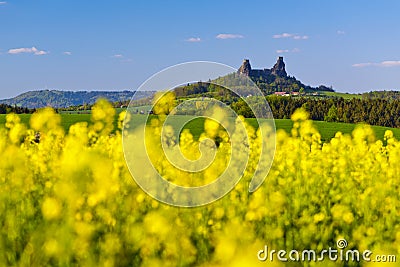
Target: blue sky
114, 45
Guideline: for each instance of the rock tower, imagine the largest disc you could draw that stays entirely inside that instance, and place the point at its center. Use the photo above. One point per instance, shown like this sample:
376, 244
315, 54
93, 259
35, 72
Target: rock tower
277, 70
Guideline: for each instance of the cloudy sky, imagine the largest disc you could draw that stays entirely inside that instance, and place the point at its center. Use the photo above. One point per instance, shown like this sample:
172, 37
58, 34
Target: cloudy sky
114, 45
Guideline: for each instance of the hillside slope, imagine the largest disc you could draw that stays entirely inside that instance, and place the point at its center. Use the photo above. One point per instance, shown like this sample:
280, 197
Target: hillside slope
63, 99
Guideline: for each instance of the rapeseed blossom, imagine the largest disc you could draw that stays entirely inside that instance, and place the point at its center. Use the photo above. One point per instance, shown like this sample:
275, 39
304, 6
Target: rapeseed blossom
67, 198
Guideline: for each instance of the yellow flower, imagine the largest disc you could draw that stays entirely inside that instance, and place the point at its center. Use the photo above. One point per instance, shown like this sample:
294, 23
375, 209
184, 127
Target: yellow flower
51, 208
319, 217
300, 115
51, 247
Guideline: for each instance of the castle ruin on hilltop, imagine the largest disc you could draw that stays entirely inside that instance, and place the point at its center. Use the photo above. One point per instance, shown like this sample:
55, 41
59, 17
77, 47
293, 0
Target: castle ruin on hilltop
278, 69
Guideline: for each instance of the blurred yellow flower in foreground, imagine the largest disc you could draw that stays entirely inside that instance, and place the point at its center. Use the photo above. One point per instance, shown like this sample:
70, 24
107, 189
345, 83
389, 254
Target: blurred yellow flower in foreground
68, 198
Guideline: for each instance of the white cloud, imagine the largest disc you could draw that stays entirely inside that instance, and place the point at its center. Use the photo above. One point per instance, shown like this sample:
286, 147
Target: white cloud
21, 50
229, 36
360, 65
193, 40
121, 58
290, 35
3, 3
32, 50
40, 53
283, 35
340, 32
300, 37
68, 53
388, 63
281, 51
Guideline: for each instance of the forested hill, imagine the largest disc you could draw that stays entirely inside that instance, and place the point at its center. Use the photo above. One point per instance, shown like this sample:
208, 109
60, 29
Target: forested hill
269, 81
63, 99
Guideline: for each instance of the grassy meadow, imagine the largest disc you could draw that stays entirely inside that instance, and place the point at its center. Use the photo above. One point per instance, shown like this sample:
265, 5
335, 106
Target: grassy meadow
326, 129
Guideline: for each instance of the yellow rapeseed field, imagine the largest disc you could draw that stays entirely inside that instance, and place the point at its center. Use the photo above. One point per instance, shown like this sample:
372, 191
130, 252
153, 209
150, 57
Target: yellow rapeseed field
68, 199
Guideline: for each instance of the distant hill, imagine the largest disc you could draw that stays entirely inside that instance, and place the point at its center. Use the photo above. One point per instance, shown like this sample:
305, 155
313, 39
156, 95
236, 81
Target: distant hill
63, 99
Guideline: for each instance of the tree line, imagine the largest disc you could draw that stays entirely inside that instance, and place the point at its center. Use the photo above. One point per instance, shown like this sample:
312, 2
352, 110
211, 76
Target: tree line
381, 94
5, 109
382, 112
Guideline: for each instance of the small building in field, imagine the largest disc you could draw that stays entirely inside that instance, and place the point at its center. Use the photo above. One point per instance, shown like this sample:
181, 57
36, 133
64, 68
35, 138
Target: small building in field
281, 93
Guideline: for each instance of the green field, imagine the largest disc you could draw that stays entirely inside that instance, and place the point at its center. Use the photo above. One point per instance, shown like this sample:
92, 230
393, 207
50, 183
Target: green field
137, 109
66, 119
343, 95
326, 129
